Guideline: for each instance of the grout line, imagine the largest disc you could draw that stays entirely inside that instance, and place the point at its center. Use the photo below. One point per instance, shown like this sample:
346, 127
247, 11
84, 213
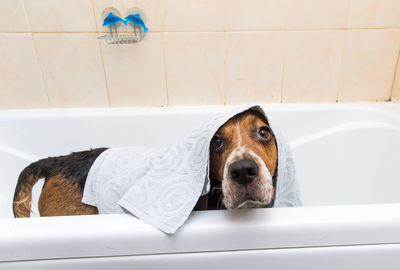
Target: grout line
340, 79
224, 50
395, 74
340, 82
223, 16
101, 56
41, 69
94, 15
211, 31
283, 66
347, 14
104, 71
225, 78
36, 53
160, 16
285, 40
26, 16
165, 67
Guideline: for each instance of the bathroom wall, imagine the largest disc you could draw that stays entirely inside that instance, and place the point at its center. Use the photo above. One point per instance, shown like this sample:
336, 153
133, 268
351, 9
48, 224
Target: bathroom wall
396, 82
199, 52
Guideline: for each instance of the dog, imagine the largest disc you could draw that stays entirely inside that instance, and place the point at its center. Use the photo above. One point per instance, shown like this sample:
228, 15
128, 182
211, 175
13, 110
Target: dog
243, 166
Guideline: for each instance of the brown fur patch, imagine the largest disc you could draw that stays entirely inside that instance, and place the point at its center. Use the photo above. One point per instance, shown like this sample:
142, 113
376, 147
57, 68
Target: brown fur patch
243, 129
247, 122
62, 197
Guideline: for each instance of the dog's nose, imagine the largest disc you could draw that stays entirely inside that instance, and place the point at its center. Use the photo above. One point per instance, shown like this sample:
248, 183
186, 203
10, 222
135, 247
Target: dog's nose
243, 171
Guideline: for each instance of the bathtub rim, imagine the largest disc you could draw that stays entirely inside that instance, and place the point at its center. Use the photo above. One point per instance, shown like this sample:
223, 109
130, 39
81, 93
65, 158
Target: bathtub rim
254, 229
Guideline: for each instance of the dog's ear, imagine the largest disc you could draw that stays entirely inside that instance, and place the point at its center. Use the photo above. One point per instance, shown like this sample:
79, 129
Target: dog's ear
261, 115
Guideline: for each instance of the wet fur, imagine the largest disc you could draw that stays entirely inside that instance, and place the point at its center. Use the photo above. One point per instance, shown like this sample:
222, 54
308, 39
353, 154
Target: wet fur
65, 176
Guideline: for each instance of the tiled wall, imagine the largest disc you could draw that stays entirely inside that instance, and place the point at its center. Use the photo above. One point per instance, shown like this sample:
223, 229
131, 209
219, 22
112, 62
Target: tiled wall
199, 52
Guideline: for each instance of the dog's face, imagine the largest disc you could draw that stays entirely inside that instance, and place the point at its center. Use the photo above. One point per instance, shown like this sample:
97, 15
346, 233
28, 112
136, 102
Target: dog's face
243, 161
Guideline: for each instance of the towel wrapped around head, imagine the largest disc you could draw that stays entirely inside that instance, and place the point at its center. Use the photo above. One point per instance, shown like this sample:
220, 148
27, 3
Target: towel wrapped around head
162, 185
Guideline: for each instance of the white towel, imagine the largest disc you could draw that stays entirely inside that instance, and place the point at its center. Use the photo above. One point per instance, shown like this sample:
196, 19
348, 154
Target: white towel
161, 186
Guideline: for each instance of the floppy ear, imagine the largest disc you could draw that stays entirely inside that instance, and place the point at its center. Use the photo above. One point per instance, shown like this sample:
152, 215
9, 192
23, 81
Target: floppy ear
260, 112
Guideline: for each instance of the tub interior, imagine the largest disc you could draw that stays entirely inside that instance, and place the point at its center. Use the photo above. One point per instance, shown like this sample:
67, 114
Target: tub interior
344, 153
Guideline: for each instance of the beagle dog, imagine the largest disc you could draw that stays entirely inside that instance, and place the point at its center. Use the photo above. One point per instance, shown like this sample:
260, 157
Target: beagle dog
243, 164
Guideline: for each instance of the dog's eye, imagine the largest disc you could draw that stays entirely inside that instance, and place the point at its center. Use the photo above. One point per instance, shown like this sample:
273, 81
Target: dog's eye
216, 142
264, 134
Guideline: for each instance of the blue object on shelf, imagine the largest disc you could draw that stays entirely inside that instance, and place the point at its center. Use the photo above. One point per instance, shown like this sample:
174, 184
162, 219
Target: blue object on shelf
135, 19
112, 19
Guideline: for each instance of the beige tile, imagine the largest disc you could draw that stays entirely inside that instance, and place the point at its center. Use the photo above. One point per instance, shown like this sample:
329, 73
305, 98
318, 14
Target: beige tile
396, 82
151, 9
195, 68
191, 15
254, 66
21, 84
255, 14
312, 66
72, 69
369, 60
374, 13
12, 16
317, 14
135, 72
60, 15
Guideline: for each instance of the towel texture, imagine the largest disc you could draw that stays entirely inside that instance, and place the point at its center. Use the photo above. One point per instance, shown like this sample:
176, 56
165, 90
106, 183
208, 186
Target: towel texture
161, 186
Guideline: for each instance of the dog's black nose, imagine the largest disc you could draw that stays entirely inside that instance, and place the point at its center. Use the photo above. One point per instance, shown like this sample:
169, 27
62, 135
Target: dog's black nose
243, 171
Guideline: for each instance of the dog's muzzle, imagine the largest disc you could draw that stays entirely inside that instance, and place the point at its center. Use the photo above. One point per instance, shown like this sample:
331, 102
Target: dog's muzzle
247, 183
243, 171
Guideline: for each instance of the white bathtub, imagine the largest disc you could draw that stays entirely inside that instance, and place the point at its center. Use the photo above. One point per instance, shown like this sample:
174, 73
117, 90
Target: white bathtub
348, 160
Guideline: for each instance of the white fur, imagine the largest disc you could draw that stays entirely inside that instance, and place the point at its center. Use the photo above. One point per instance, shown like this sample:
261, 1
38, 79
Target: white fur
249, 204
36, 191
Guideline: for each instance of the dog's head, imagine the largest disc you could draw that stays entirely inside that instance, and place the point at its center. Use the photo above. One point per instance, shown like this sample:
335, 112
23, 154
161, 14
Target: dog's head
243, 162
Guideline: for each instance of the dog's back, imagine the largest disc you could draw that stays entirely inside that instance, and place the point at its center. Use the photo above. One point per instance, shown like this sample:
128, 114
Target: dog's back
58, 173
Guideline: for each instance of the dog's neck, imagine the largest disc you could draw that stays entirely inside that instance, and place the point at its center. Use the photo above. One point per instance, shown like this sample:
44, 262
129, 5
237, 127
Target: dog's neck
212, 200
